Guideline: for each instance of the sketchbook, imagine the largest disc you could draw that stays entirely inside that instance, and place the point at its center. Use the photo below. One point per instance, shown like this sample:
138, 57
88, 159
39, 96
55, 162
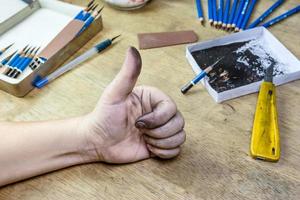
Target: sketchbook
245, 55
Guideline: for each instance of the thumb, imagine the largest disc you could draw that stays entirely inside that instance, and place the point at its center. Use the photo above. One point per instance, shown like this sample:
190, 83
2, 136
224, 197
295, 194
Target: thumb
124, 82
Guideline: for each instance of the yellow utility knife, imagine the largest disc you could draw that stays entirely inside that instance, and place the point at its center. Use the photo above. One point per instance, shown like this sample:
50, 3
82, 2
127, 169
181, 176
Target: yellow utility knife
265, 141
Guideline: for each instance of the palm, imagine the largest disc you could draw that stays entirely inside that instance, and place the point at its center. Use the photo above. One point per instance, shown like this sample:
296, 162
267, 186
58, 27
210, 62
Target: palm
118, 129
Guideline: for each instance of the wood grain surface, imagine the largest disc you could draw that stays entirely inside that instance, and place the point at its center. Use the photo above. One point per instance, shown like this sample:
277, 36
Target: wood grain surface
215, 161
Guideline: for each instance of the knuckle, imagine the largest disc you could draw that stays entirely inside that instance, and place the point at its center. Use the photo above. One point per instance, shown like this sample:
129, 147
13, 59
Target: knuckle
180, 121
182, 136
180, 116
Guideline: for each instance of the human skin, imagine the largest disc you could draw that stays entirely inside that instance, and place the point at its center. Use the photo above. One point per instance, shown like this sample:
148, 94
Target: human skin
128, 124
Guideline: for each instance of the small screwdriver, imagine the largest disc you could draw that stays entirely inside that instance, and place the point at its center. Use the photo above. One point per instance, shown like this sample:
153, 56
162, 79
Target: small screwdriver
198, 78
265, 140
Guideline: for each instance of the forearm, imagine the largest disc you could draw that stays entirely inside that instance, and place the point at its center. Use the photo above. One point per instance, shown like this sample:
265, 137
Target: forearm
30, 149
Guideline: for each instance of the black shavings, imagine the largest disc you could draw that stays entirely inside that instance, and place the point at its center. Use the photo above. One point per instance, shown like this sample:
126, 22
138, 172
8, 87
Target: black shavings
243, 63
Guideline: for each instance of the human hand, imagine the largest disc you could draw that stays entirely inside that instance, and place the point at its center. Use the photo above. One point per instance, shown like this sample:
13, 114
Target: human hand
133, 123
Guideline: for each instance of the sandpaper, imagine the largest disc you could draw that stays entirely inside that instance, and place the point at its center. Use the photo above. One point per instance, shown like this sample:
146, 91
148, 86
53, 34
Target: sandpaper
163, 39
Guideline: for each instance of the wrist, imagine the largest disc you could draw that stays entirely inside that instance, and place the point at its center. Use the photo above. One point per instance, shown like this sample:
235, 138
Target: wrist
90, 138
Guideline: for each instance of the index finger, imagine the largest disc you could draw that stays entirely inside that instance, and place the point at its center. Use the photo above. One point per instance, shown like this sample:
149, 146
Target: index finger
163, 109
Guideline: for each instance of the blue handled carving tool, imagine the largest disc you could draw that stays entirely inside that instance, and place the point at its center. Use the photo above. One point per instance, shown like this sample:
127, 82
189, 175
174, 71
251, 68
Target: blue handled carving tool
74, 63
281, 17
25, 63
7, 59
266, 14
89, 12
198, 78
82, 13
90, 20
16, 59
19, 62
3, 63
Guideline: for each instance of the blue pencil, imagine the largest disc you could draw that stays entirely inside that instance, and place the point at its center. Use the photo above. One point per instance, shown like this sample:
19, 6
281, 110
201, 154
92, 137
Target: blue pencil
281, 17
248, 14
199, 10
226, 14
220, 11
232, 13
266, 14
210, 17
242, 15
214, 9
199, 77
238, 13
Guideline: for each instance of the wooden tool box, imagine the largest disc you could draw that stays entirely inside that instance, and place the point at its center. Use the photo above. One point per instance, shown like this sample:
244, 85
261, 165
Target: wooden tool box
51, 24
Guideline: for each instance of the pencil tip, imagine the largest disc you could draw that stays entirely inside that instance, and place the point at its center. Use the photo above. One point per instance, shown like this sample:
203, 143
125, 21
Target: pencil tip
9, 46
99, 11
94, 7
37, 50
11, 55
115, 37
90, 4
25, 48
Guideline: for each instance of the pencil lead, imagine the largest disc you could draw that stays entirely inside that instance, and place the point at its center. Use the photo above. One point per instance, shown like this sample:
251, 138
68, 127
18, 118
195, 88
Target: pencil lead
6, 48
94, 7
89, 9
26, 51
32, 50
90, 4
10, 56
37, 50
115, 37
217, 61
99, 12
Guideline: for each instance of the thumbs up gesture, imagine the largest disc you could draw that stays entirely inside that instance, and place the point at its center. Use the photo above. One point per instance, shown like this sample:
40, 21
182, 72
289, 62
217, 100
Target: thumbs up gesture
133, 123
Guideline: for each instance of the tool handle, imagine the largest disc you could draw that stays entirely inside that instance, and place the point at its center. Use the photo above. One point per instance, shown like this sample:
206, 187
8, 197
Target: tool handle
103, 45
265, 141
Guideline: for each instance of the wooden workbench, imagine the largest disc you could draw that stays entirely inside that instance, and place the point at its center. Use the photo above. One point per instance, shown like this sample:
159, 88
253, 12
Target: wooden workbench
215, 161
